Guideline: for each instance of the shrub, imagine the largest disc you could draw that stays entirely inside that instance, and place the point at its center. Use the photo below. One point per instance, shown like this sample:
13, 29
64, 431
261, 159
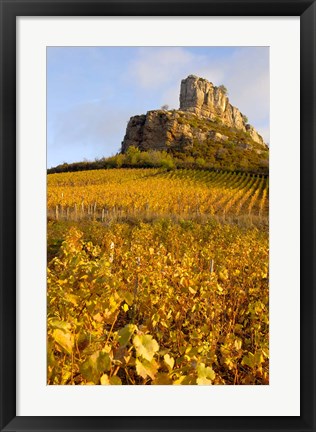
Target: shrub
223, 89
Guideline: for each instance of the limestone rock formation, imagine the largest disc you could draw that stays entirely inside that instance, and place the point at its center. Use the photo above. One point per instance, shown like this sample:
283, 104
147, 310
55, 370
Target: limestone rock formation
205, 115
254, 134
162, 130
201, 97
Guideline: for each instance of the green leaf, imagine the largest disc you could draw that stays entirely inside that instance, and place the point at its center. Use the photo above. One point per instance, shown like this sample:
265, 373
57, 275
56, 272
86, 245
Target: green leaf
58, 324
145, 346
259, 357
65, 339
145, 368
97, 363
125, 333
115, 380
249, 360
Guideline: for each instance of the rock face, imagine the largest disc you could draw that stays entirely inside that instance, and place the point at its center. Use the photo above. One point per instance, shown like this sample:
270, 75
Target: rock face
203, 107
201, 97
160, 130
254, 134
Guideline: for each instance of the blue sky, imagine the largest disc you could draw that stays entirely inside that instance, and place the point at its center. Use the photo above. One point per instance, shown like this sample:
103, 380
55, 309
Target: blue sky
93, 91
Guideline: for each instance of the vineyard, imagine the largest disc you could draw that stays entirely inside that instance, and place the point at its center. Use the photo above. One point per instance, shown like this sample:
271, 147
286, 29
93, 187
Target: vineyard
150, 193
157, 277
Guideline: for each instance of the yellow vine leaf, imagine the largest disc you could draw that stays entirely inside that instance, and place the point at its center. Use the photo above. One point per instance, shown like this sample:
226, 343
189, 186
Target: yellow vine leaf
145, 346
205, 375
145, 368
65, 339
169, 361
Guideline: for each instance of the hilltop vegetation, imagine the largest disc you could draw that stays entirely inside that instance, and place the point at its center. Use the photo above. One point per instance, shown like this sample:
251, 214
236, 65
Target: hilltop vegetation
204, 156
223, 148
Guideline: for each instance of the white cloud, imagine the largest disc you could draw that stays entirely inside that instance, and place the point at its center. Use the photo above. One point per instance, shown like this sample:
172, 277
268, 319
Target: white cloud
154, 68
161, 66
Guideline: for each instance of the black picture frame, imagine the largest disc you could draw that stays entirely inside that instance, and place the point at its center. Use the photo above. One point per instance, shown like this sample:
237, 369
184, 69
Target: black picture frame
9, 10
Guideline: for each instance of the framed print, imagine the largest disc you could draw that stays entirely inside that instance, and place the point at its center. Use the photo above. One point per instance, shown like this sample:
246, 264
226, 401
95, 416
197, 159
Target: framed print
159, 160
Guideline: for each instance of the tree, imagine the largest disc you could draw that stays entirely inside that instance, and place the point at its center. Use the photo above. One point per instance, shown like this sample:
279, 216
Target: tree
224, 89
245, 118
133, 155
165, 107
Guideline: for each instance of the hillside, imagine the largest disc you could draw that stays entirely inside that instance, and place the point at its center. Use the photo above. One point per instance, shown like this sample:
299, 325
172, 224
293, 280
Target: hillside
206, 132
206, 127
192, 138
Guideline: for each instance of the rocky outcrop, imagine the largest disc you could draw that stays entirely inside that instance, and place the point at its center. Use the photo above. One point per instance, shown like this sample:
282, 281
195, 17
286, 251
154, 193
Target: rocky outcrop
161, 130
254, 134
201, 97
205, 114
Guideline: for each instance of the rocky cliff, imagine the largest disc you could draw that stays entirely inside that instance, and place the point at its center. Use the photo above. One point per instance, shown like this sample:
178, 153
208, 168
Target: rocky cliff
205, 116
201, 97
